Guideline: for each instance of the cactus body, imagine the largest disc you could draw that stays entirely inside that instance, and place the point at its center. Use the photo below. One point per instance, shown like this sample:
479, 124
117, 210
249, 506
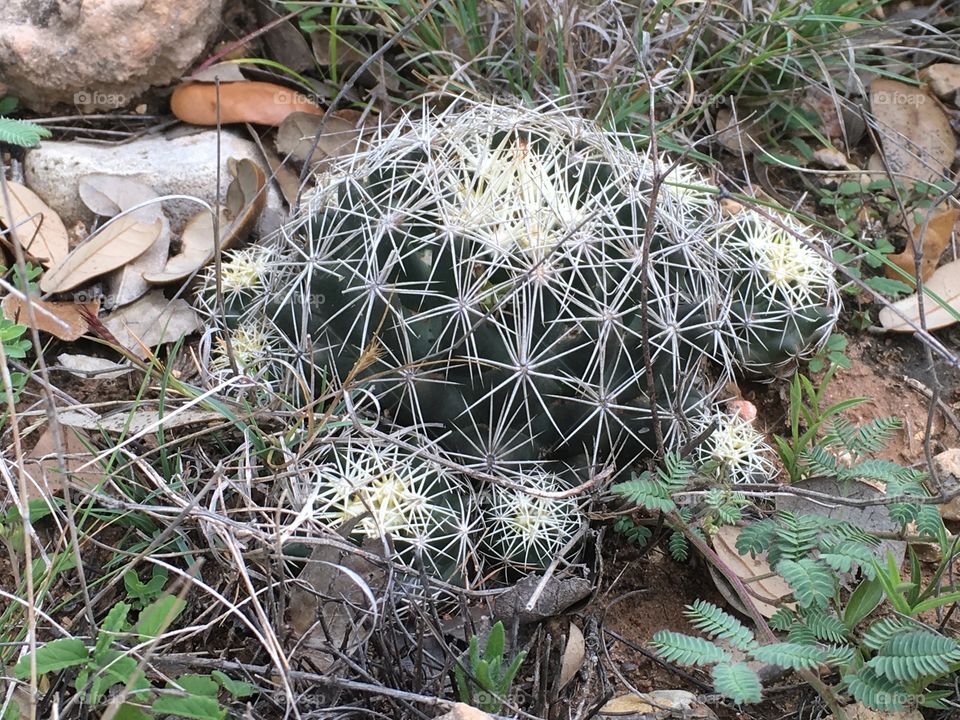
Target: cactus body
383, 490
483, 272
501, 277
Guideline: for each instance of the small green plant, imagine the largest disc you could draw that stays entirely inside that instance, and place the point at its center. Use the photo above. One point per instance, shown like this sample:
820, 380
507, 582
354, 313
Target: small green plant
15, 347
807, 416
891, 664
109, 666
18, 132
490, 676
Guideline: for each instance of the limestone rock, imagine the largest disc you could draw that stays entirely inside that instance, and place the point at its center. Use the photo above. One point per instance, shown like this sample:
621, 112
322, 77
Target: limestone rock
462, 711
944, 79
185, 165
99, 54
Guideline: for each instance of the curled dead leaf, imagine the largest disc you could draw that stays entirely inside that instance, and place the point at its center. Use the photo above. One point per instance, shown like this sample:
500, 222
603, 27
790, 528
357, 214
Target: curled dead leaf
113, 246
769, 591
945, 283
38, 228
244, 203
260, 103
340, 136
109, 195
64, 320
573, 656
935, 238
91, 367
918, 141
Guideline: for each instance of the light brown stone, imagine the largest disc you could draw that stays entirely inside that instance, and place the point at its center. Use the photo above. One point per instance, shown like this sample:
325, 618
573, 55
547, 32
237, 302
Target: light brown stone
943, 78
99, 54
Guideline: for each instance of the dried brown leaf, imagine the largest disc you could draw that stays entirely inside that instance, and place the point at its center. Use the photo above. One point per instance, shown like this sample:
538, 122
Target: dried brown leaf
945, 283
917, 138
573, 656
340, 136
37, 226
245, 201
768, 592
934, 238
64, 320
109, 195
116, 244
43, 469
334, 605
150, 321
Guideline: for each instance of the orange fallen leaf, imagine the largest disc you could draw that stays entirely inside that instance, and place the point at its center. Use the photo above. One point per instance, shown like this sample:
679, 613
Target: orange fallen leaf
260, 103
64, 320
935, 239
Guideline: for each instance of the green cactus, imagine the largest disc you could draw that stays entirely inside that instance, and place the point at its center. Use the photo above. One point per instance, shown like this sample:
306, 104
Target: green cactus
500, 277
524, 531
784, 299
429, 513
492, 259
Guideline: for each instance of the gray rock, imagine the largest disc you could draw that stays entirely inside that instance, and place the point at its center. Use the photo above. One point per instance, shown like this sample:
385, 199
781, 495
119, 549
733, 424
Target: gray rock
99, 54
184, 165
946, 467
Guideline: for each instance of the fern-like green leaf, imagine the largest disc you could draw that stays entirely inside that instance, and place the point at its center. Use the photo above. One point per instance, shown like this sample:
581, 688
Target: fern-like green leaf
756, 537
915, 654
790, 655
845, 555
827, 628
738, 682
873, 436
687, 650
633, 532
840, 655
782, 619
679, 546
818, 461
797, 536
811, 580
882, 630
930, 522
875, 691
676, 472
800, 633
646, 493
708, 618
902, 480
20, 132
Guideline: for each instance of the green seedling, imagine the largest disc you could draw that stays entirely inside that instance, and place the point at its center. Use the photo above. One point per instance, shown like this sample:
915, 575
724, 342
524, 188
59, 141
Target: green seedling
490, 677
